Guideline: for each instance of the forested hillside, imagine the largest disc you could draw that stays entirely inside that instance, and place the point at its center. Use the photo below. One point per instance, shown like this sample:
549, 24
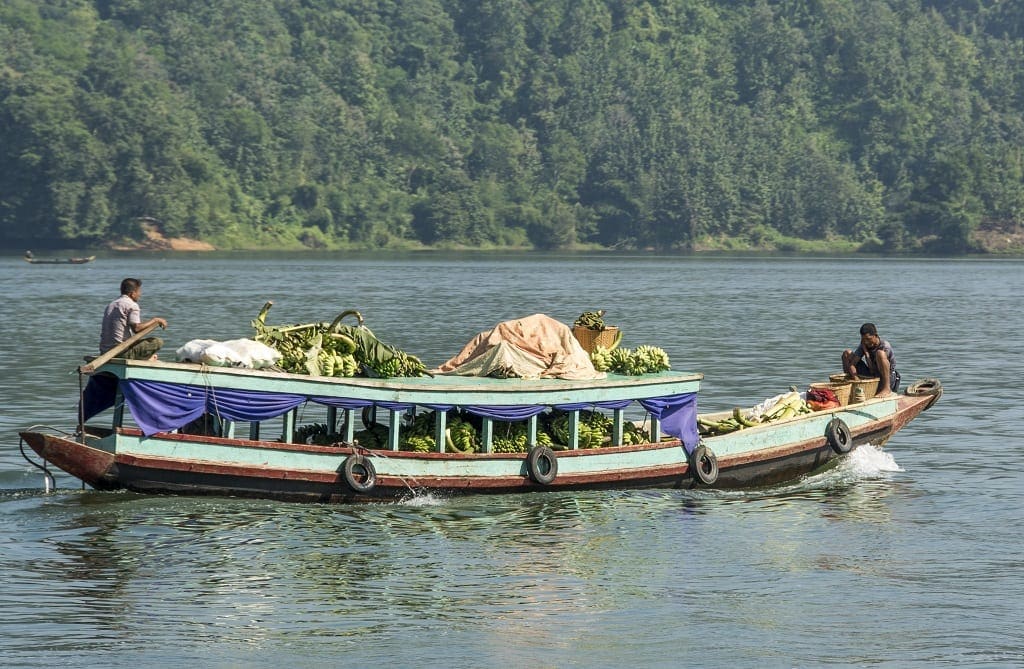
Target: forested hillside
881, 125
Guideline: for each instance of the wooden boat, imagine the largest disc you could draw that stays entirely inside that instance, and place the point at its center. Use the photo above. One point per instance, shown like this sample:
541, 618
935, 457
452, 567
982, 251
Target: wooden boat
256, 449
59, 261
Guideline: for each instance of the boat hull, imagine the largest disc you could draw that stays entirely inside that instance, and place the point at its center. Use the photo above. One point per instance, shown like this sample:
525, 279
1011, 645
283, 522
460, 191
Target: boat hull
172, 463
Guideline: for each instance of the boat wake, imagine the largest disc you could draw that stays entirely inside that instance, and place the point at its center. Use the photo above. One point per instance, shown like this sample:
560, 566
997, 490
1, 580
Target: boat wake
868, 462
864, 463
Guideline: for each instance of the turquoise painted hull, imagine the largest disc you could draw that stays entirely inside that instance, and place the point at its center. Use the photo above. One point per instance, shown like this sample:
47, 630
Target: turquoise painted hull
175, 463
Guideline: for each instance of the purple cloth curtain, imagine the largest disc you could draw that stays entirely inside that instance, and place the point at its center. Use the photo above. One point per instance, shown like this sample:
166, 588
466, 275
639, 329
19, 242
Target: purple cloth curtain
158, 407
678, 415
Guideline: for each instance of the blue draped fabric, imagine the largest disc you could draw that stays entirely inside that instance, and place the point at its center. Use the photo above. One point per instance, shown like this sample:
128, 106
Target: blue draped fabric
505, 412
678, 415
158, 407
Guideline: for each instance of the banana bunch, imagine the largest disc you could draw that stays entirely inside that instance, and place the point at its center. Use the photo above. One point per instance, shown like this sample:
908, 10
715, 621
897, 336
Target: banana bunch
643, 359
418, 444
330, 363
601, 358
620, 360
316, 433
593, 429
418, 434
461, 436
651, 359
399, 364
516, 439
592, 320
634, 434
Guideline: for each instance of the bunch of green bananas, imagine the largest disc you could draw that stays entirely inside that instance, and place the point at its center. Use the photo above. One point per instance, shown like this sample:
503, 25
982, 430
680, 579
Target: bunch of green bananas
651, 358
329, 363
641, 360
592, 320
418, 444
601, 358
421, 425
634, 434
461, 436
316, 433
593, 428
515, 438
620, 358
399, 364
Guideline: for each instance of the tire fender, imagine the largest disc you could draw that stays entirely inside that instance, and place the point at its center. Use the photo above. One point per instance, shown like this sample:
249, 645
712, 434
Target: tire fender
925, 387
542, 465
704, 465
359, 473
838, 436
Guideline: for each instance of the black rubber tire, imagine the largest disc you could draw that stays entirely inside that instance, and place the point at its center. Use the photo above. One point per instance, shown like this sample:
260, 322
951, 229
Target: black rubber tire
704, 465
925, 387
359, 473
838, 436
542, 465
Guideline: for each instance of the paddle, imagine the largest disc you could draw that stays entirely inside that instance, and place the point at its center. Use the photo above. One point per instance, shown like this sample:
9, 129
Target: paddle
100, 360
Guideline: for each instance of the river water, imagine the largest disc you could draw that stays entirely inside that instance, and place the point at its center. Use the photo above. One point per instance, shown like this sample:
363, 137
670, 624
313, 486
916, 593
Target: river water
906, 556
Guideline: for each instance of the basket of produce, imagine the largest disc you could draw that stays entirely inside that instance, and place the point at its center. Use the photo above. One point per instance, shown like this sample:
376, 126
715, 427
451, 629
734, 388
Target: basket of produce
842, 390
590, 331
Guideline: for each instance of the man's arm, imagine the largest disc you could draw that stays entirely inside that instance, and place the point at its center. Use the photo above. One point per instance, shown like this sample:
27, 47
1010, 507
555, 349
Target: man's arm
135, 327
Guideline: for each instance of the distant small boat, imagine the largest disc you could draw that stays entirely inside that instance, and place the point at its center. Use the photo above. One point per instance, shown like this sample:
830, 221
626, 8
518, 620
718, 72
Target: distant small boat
81, 260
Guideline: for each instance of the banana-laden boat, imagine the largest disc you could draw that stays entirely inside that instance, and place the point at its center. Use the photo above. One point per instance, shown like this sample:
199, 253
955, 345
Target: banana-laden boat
328, 413
185, 428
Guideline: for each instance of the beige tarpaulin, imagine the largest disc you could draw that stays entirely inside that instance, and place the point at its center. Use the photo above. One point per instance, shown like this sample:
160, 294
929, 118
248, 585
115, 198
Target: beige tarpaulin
533, 347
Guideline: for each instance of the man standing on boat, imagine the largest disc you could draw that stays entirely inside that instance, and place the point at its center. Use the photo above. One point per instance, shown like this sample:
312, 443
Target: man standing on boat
123, 318
873, 357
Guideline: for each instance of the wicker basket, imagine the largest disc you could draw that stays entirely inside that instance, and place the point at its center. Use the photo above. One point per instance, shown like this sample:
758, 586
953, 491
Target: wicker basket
590, 339
842, 390
867, 386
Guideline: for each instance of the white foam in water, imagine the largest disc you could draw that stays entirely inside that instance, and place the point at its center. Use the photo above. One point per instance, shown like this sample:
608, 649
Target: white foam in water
869, 461
421, 499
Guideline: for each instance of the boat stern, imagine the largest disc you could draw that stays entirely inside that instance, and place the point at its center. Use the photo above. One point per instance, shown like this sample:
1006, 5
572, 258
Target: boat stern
94, 466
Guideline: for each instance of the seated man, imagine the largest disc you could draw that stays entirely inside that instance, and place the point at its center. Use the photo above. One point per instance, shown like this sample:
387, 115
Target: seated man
123, 318
873, 357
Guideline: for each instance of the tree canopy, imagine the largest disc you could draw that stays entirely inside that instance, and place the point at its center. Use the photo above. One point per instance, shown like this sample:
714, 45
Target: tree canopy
879, 125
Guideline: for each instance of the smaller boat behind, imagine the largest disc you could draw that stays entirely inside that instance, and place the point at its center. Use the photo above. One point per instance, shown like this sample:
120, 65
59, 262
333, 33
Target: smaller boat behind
79, 260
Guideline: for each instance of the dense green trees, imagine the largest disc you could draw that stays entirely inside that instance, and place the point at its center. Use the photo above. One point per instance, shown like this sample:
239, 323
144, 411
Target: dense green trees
892, 125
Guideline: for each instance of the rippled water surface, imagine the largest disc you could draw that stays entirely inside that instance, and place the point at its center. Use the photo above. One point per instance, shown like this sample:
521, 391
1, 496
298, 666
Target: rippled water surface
904, 557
